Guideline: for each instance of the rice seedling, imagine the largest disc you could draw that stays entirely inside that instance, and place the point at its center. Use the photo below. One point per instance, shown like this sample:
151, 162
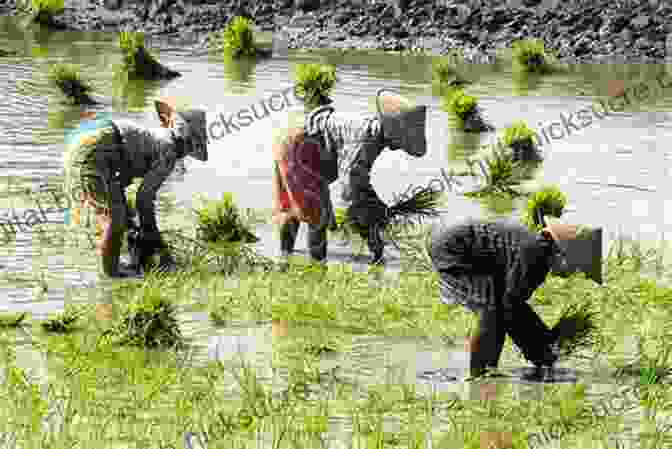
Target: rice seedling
220, 221
44, 11
530, 55
137, 62
548, 201
238, 38
68, 79
149, 320
522, 140
465, 108
314, 83
8, 320
63, 322
575, 329
499, 173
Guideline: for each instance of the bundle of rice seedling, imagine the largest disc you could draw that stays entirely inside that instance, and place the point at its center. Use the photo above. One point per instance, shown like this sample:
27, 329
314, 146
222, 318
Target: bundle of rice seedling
575, 329
68, 79
12, 319
423, 203
63, 322
149, 321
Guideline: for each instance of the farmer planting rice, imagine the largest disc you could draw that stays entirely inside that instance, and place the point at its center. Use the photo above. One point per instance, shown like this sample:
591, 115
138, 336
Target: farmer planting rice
102, 158
330, 147
493, 268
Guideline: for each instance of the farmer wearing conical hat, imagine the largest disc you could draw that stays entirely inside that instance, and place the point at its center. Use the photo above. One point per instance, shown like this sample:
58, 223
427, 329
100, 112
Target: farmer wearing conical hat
348, 147
102, 158
492, 268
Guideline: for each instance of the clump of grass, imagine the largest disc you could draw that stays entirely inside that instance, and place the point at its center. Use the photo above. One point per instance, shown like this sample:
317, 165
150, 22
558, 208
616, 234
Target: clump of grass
44, 11
530, 56
12, 319
342, 229
220, 221
63, 322
500, 173
68, 79
549, 201
465, 108
314, 82
148, 321
238, 38
522, 140
575, 329
137, 62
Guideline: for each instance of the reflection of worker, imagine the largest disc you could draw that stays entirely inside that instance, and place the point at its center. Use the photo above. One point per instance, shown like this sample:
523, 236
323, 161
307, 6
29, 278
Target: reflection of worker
104, 156
349, 147
492, 268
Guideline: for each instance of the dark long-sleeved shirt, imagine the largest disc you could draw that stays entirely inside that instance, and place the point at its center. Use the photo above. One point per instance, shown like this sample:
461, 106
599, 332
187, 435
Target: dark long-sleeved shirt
517, 258
151, 154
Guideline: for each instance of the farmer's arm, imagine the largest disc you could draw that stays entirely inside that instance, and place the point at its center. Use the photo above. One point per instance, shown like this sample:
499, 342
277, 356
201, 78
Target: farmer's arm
153, 180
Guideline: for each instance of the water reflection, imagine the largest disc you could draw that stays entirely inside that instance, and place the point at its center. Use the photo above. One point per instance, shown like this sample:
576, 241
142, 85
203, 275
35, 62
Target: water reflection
524, 83
239, 70
462, 144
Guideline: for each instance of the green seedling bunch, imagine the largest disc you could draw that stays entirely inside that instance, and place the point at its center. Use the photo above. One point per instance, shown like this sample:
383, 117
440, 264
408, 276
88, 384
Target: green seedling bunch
67, 77
549, 201
314, 82
460, 104
519, 132
221, 221
238, 38
530, 56
44, 11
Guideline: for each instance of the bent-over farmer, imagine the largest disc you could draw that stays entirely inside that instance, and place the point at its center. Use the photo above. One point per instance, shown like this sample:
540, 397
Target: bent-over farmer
102, 158
349, 146
492, 269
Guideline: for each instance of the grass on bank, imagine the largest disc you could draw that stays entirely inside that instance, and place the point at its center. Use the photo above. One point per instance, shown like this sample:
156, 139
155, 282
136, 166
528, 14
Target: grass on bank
68, 79
42, 11
531, 56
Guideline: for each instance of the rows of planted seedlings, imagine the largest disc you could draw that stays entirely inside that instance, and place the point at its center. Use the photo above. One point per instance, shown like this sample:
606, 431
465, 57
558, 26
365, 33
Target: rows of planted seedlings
106, 379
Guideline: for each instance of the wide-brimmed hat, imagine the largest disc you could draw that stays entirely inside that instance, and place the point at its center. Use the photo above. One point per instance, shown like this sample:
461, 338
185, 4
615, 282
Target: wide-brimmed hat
403, 123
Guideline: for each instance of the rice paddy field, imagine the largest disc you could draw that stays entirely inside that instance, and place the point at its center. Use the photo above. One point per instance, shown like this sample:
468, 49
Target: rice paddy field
233, 352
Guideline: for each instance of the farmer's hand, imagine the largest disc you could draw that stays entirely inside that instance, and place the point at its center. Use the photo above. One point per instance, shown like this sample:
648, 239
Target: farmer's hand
561, 231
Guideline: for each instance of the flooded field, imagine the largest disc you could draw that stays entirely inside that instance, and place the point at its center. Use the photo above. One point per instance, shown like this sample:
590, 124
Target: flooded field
342, 358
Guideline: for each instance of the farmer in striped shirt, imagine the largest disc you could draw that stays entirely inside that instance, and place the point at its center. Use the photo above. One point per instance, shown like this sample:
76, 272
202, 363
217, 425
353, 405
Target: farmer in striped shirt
349, 146
101, 160
492, 268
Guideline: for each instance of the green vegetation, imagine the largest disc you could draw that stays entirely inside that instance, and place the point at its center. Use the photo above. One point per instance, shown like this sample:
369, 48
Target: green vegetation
63, 322
44, 11
519, 132
314, 82
68, 79
549, 201
530, 56
499, 173
137, 62
12, 319
238, 38
461, 104
221, 221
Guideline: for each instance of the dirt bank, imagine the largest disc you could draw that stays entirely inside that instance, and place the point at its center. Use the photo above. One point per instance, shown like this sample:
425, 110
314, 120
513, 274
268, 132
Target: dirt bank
596, 30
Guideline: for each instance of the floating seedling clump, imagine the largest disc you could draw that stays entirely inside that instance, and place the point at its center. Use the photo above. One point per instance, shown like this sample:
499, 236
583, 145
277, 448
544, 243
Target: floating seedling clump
549, 201
530, 56
148, 321
465, 108
238, 38
68, 79
314, 83
523, 142
138, 63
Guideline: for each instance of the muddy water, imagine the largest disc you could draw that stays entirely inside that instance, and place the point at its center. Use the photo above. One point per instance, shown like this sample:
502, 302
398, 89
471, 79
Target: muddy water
613, 171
